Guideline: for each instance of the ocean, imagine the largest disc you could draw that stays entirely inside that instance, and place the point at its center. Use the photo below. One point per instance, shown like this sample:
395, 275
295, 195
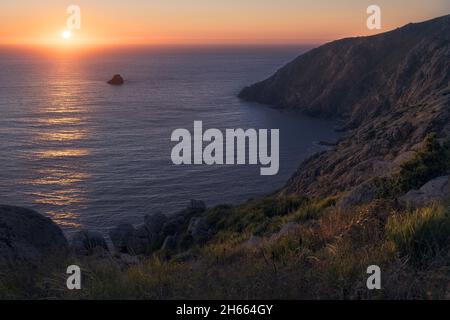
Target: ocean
91, 155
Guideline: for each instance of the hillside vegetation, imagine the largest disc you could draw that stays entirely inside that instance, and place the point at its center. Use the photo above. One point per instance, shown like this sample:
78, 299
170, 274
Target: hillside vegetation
284, 247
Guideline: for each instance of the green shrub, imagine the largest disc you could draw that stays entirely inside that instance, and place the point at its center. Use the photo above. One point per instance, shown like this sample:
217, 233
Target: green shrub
434, 161
431, 162
312, 209
420, 235
253, 215
281, 206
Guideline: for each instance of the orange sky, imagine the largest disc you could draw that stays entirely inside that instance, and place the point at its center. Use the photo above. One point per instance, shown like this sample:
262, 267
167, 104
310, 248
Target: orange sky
204, 21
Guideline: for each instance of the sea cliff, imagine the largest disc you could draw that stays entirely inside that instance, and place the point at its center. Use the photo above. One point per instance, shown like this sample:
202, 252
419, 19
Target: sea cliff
390, 91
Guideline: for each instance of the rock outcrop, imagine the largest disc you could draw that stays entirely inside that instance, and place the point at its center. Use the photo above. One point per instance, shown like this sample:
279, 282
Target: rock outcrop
28, 237
122, 237
117, 80
154, 223
388, 91
170, 243
361, 194
436, 190
85, 243
198, 229
160, 231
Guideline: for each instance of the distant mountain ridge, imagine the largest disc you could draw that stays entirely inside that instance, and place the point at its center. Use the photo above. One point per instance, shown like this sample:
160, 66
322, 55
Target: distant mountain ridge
390, 90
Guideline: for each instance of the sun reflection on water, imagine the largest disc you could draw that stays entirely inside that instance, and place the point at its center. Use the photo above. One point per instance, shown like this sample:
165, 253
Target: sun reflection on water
57, 176
61, 197
56, 110
66, 219
62, 153
58, 155
73, 121
64, 135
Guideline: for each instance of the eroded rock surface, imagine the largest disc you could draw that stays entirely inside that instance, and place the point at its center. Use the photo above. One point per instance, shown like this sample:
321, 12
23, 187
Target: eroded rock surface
435, 190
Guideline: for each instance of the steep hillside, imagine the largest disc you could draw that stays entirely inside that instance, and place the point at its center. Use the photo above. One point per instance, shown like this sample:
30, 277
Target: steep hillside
390, 91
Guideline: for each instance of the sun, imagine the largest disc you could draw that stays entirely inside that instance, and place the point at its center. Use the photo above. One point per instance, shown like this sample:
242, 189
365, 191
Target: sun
66, 34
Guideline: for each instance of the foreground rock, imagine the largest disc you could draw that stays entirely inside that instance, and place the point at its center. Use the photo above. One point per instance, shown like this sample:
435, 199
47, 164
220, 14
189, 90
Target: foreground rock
170, 243
28, 237
117, 80
435, 190
162, 232
198, 229
141, 240
154, 223
122, 237
362, 194
86, 243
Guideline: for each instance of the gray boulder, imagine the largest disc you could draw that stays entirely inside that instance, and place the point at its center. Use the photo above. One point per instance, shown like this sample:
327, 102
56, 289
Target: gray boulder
198, 229
285, 230
143, 241
435, 190
86, 243
122, 237
149, 235
27, 236
174, 225
140, 240
253, 242
361, 194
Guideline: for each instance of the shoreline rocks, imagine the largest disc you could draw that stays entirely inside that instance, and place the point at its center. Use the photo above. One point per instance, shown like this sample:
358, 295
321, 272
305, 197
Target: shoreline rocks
121, 237
162, 232
28, 236
198, 229
85, 243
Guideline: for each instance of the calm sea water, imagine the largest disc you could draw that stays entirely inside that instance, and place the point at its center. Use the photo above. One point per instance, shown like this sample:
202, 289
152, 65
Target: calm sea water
91, 155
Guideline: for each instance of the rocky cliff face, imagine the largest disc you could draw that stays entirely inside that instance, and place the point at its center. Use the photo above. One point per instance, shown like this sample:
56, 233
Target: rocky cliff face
389, 91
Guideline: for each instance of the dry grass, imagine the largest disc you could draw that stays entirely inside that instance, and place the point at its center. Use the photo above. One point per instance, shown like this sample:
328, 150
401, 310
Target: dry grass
322, 257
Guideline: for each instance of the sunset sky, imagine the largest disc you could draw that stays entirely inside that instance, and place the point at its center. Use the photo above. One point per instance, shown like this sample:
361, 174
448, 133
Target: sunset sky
204, 21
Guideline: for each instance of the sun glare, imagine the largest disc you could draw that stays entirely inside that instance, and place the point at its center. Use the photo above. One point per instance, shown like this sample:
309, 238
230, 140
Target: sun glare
66, 34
